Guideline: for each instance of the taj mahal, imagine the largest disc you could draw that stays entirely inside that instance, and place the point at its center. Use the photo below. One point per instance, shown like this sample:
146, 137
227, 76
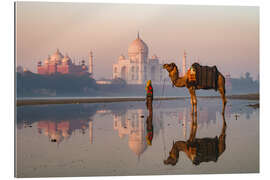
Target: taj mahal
137, 68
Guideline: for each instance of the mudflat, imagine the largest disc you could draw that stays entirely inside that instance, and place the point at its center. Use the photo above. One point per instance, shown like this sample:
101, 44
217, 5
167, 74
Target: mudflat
22, 102
41, 101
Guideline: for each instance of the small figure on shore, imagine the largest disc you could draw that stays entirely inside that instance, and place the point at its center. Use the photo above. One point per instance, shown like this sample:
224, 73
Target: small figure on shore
149, 94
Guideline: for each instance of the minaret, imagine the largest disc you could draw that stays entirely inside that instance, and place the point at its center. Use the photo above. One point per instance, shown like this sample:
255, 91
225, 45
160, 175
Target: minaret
90, 68
184, 63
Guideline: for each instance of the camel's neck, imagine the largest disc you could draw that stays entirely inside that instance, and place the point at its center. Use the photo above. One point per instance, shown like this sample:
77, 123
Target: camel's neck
177, 147
176, 80
182, 146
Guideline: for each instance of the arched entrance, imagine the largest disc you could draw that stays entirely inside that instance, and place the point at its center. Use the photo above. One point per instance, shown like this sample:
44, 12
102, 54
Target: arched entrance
124, 72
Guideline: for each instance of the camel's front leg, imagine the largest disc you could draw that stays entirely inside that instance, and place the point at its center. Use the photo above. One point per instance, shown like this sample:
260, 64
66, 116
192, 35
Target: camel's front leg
193, 99
191, 102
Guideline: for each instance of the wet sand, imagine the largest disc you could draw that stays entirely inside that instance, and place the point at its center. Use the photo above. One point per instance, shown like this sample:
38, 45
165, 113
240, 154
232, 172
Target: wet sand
23, 102
99, 139
255, 106
87, 100
238, 96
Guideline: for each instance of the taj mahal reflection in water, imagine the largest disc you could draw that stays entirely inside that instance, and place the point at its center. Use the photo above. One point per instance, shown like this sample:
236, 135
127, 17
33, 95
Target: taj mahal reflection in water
129, 122
129, 138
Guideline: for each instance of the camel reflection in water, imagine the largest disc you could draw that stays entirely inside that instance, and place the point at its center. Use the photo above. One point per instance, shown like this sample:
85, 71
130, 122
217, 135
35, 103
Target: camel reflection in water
199, 150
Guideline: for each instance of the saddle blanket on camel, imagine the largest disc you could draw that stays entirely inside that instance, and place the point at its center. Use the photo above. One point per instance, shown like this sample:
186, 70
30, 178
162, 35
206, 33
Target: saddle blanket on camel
206, 77
205, 150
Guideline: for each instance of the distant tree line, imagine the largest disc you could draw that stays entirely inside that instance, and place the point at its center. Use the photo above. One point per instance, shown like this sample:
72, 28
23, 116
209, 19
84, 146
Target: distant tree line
32, 84
29, 84
245, 84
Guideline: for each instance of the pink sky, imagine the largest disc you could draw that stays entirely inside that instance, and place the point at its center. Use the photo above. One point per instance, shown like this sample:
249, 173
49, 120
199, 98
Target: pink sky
226, 36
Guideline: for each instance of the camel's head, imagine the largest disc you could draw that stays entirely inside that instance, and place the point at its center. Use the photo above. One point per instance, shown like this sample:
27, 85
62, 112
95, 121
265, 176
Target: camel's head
173, 157
170, 161
169, 67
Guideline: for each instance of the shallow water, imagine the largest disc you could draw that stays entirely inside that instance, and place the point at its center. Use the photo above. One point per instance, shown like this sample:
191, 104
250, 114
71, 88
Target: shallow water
110, 138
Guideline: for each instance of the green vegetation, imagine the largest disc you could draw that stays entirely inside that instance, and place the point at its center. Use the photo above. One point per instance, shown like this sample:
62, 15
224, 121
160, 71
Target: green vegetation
31, 84
68, 85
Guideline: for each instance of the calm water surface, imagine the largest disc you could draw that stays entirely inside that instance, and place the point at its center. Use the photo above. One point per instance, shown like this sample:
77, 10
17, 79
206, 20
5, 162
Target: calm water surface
110, 139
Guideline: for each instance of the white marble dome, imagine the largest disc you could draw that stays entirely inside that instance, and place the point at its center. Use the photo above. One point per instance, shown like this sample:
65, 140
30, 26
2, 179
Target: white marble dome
136, 144
57, 56
138, 45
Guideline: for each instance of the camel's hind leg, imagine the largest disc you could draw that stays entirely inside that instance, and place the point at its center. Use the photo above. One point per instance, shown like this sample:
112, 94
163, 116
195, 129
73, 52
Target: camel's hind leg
193, 128
222, 91
222, 138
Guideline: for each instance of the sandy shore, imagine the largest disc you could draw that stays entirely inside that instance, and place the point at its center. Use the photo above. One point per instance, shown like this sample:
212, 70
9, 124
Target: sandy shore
237, 96
87, 100
23, 102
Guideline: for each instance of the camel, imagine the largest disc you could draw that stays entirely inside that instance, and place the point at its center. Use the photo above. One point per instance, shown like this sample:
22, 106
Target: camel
183, 82
199, 150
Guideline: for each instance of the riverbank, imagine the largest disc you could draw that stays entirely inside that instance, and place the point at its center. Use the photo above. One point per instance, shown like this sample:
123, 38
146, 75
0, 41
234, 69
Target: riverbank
41, 101
23, 102
237, 96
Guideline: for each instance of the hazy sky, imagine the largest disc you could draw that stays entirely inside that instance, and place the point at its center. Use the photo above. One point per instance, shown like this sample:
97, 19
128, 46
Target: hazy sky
226, 36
